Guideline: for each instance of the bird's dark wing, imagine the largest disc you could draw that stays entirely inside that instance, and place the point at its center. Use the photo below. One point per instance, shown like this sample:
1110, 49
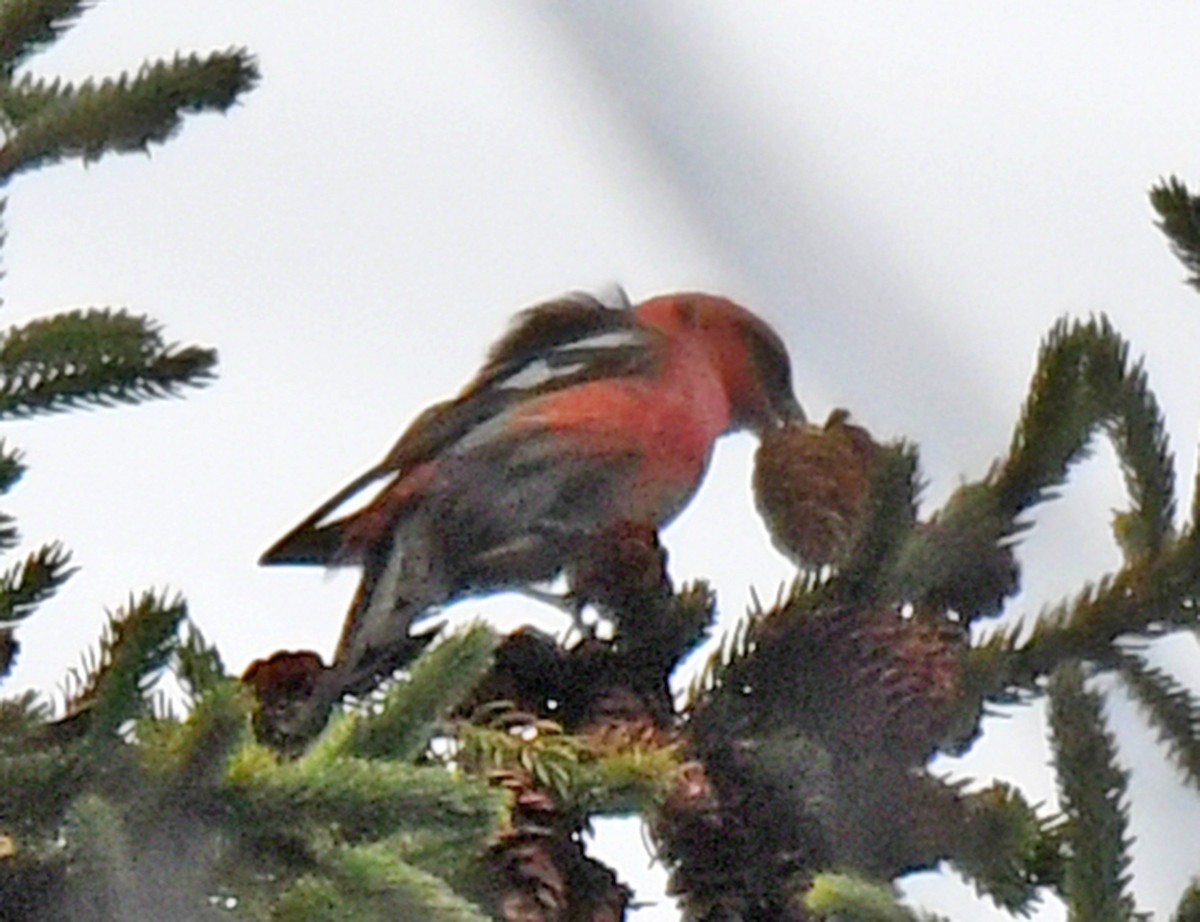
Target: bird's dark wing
549, 347
544, 328
317, 541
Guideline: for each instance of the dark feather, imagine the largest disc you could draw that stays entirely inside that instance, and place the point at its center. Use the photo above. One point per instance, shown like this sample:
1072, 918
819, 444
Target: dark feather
533, 336
545, 327
312, 543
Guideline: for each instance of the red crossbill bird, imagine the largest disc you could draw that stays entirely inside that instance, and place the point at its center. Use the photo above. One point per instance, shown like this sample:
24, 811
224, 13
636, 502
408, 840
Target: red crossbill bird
583, 417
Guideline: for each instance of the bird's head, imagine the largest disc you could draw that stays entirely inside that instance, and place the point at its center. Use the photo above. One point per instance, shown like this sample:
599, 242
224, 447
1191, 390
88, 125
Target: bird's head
745, 351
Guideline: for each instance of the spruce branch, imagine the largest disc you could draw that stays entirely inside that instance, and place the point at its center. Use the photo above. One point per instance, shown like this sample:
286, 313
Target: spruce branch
372, 882
198, 665
961, 559
613, 773
1188, 909
717, 690
1170, 708
1005, 850
11, 470
136, 644
413, 706
20, 716
102, 870
12, 466
29, 583
124, 114
1054, 426
889, 518
1083, 382
26, 26
1092, 788
93, 358
216, 725
1179, 218
856, 899
538, 749
25, 99
37, 783
1134, 423
1144, 598
365, 797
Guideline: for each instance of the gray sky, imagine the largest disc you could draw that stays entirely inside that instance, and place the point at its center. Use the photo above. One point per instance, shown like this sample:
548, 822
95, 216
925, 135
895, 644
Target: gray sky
912, 193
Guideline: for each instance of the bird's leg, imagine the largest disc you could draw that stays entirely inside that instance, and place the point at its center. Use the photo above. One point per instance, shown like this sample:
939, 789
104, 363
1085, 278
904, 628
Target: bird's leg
570, 602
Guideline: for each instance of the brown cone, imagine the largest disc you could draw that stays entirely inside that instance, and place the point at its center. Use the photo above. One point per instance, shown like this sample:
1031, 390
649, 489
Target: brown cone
811, 484
541, 871
870, 681
284, 684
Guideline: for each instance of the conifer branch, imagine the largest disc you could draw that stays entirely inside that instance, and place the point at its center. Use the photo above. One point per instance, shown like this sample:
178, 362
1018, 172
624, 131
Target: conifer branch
412, 706
1144, 598
100, 859
12, 466
371, 882
1082, 382
11, 470
38, 784
28, 584
215, 726
1188, 909
961, 559
385, 887
135, 645
120, 115
198, 665
1179, 219
1054, 427
1170, 708
734, 646
26, 26
25, 99
93, 358
612, 775
1003, 848
1092, 790
540, 749
729, 666
20, 715
1135, 425
364, 797
891, 512
856, 899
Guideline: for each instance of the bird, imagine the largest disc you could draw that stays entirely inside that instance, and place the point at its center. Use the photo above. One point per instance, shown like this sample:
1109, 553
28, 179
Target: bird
585, 415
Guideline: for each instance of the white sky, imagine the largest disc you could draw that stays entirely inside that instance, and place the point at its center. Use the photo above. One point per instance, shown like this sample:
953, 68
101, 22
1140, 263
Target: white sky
912, 193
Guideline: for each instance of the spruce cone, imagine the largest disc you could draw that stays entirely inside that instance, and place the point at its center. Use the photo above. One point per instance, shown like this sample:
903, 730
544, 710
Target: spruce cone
284, 683
811, 485
815, 750
529, 671
540, 867
904, 676
870, 681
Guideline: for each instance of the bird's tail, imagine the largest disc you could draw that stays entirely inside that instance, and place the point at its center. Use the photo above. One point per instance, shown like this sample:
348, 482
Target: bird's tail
401, 583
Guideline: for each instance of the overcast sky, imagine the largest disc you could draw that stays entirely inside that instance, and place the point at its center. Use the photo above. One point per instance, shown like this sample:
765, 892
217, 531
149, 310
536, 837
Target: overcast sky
911, 192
